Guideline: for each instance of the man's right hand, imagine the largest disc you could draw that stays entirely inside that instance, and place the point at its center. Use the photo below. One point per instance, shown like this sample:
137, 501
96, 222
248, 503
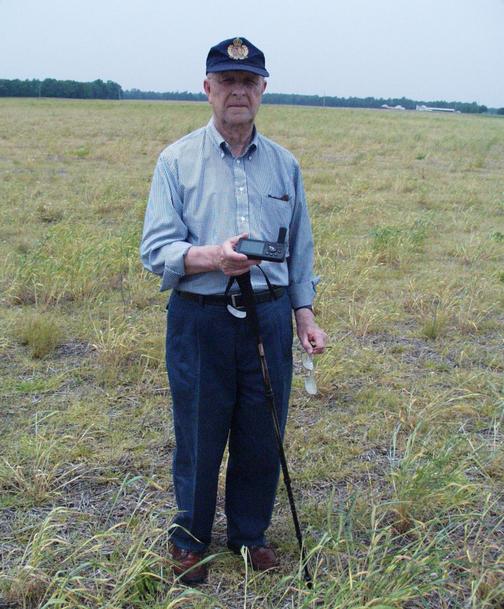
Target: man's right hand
205, 258
232, 263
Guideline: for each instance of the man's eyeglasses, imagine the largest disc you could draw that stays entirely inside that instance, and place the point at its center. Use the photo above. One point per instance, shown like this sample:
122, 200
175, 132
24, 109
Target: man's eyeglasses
232, 81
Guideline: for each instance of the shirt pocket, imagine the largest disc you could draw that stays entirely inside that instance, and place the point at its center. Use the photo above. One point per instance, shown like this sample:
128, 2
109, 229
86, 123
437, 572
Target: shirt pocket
274, 215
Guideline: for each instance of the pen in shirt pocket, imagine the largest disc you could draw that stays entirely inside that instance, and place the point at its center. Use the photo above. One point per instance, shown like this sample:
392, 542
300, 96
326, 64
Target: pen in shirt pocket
282, 198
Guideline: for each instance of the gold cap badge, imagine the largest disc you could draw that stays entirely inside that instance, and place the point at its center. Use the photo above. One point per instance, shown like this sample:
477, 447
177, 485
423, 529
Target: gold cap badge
237, 50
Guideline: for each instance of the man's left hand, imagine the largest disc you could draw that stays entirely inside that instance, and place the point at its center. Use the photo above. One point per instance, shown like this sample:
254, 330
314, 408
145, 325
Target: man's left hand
311, 336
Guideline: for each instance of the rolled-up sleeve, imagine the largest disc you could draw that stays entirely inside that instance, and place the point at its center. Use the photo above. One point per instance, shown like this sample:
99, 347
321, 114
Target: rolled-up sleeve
300, 262
164, 244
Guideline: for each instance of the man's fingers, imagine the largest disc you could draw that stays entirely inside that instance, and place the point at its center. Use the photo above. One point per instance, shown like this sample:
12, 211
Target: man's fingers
305, 343
307, 347
314, 341
229, 251
239, 272
239, 269
229, 245
234, 240
231, 262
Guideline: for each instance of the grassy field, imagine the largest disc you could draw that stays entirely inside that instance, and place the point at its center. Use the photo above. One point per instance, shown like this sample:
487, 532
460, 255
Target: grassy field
397, 464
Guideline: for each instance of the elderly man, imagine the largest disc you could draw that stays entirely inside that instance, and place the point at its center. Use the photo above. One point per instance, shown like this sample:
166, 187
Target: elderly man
213, 186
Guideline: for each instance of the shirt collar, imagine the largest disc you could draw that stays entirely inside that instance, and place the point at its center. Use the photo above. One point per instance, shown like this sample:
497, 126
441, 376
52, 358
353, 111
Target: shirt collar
220, 142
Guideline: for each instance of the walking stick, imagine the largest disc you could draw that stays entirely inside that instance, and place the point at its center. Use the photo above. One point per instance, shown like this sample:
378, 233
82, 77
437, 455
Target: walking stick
248, 297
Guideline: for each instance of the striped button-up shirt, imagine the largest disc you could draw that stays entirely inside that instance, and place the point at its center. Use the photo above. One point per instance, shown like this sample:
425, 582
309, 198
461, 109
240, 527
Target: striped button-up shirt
202, 195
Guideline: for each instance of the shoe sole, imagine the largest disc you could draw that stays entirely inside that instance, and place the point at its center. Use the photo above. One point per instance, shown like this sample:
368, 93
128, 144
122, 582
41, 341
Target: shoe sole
254, 568
188, 578
198, 580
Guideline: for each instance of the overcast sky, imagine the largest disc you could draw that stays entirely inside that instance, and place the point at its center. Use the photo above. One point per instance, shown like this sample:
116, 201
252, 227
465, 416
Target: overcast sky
426, 50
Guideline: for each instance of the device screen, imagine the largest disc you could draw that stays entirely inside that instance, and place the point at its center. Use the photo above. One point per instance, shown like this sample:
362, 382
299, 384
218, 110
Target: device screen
255, 247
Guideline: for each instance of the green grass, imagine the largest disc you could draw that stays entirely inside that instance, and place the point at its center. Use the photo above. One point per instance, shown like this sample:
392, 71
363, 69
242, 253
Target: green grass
40, 332
397, 463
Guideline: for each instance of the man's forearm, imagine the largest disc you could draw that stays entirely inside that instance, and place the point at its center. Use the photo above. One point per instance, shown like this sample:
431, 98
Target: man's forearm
304, 315
312, 338
206, 258
202, 259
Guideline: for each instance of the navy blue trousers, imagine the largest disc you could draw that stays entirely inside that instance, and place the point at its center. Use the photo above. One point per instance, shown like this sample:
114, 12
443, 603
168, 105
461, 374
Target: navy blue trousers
218, 398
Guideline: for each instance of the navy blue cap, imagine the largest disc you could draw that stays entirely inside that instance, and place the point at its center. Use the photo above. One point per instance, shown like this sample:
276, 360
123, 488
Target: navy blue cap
236, 54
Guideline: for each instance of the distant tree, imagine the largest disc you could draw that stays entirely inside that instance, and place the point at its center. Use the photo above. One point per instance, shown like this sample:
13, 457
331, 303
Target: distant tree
50, 87
500, 111
114, 91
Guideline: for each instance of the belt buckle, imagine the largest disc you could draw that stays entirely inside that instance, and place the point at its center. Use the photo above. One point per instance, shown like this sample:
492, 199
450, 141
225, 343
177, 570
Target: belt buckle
233, 300
234, 309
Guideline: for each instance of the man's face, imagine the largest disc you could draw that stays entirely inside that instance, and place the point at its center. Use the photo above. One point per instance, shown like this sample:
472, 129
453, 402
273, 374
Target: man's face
234, 96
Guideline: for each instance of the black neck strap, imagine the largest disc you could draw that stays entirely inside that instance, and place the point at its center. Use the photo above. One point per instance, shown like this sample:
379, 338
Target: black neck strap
232, 279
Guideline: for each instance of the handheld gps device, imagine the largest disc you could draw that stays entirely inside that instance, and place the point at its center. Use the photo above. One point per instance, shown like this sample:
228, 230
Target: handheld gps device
271, 251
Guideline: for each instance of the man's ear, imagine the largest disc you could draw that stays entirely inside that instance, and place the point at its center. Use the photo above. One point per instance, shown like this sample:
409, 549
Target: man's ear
206, 86
265, 83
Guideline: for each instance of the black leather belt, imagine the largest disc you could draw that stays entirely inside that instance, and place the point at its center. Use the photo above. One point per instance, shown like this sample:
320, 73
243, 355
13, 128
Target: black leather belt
236, 300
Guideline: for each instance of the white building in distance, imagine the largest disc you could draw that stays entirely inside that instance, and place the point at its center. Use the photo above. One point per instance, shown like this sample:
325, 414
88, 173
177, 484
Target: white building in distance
424, 108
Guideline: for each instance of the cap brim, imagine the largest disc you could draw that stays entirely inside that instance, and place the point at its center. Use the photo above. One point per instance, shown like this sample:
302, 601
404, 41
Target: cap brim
232, 66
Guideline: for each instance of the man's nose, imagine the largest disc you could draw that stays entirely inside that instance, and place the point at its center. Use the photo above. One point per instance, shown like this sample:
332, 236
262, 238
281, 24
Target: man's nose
238, 88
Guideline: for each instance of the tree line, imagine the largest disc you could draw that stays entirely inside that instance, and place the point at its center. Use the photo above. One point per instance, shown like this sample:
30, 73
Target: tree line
50, 87
295, 99
98, 89
369, 102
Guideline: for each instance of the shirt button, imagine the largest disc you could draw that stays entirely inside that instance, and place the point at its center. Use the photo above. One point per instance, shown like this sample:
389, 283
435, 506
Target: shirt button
237, 161
242, 218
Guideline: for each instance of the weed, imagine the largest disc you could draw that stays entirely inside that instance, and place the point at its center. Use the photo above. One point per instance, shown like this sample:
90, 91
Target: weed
82, 152
49, 214
427, 478
36, 470
70, 264
391, 243
433, 326
41, 332
470, 315
28, 582
431, 310
473, 251
362, 317
116, 346
385, 237
117, 566
353, 569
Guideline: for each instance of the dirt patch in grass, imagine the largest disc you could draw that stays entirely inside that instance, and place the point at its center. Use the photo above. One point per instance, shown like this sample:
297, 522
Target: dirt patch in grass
410, 351
73, 349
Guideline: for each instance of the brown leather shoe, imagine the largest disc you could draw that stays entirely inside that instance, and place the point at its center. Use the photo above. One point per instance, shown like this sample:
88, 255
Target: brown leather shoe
262, 558
186, 565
